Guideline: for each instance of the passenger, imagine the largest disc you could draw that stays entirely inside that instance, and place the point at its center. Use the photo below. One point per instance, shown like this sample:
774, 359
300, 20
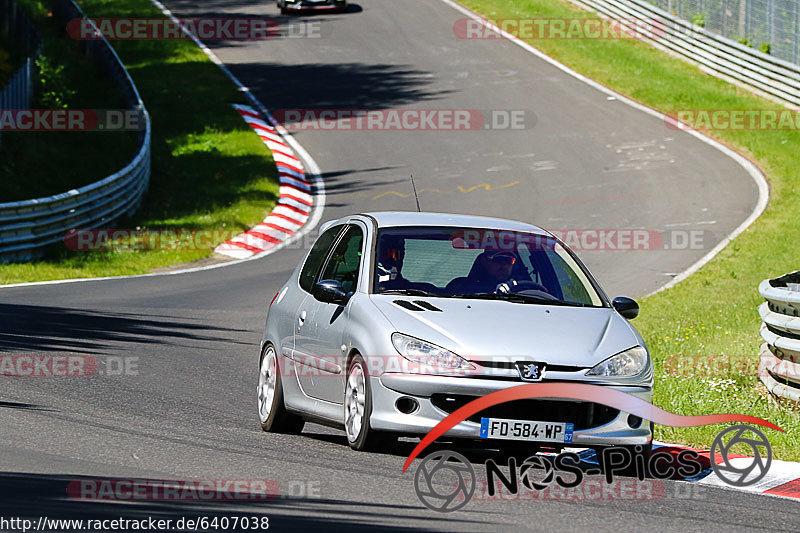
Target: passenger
490, 269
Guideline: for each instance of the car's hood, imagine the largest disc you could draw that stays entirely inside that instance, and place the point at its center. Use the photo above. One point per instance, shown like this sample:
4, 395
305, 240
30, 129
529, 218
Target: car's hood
485, 329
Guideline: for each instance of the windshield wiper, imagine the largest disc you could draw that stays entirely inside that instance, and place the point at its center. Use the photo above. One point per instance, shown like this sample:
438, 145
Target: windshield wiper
410, 292
519, 298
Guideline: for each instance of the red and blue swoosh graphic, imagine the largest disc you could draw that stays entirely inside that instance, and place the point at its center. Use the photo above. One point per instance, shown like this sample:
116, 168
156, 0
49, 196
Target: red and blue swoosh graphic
581, 392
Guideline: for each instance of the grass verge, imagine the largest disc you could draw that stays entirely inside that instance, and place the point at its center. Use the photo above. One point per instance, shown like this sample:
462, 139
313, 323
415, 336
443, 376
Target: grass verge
35, 164
713, 312
209, 170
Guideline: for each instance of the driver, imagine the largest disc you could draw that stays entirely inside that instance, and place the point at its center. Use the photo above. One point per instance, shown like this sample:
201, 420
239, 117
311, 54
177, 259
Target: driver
391, 252
491, 269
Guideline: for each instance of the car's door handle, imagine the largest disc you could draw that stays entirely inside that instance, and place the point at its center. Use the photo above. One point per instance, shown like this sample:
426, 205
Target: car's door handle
301, 319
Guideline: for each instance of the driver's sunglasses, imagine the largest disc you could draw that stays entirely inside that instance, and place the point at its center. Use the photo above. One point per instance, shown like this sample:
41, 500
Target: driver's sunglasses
503, 258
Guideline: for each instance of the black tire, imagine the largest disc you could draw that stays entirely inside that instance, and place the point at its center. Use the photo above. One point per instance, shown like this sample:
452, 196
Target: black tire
367, 438
279, 419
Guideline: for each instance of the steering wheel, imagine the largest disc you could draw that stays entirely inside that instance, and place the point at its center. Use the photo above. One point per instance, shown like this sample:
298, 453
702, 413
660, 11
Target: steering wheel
514, 286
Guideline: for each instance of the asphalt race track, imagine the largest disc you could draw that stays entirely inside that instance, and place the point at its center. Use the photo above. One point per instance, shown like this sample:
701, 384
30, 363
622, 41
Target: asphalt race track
188, 409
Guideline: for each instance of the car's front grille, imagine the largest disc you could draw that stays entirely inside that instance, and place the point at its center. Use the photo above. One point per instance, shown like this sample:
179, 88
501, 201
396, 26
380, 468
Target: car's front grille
583, 415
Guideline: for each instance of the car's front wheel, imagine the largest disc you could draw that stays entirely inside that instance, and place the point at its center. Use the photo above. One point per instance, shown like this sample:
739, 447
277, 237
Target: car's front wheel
358, 408
271, 410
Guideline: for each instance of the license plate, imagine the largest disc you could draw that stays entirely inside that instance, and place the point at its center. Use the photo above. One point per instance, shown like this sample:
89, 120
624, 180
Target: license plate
503, 428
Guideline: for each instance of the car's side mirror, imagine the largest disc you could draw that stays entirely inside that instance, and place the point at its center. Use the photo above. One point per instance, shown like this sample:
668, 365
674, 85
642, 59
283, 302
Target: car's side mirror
329, 291
627, 307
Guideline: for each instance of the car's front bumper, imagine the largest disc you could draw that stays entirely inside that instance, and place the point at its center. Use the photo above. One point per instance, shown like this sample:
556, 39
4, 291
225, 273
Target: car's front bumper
388, 388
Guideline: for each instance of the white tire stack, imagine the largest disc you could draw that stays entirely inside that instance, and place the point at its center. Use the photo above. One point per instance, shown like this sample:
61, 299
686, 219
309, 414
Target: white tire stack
779, 367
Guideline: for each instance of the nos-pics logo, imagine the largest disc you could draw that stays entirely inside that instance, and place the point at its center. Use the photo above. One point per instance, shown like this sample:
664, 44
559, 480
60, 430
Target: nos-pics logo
445, 480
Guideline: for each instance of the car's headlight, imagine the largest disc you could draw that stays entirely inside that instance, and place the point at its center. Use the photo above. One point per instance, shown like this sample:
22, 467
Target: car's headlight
631, 362
428, 354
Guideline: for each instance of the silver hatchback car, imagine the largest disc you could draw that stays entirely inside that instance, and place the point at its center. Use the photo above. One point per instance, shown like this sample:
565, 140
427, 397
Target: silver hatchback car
394, 320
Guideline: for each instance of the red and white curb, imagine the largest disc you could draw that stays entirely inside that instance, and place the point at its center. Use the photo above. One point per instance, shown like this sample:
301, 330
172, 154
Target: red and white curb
782, 479
294, 204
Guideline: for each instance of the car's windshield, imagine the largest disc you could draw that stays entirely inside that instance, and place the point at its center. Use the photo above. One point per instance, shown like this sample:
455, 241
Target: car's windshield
480, 263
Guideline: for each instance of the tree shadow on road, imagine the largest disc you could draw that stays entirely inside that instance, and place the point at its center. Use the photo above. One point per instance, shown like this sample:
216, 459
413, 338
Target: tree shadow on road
33, 327
359, 86
58, 496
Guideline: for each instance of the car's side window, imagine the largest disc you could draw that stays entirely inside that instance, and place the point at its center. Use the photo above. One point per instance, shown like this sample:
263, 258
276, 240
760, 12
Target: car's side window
317, 256
344, 263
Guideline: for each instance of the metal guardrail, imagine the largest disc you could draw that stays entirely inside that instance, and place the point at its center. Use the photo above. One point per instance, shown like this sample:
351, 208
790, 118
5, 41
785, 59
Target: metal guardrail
780, 329
761, 22
717, 55
18, 30
27, 226
18, 91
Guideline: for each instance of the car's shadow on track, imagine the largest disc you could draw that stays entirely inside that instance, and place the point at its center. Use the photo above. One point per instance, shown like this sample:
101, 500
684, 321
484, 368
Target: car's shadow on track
58, 496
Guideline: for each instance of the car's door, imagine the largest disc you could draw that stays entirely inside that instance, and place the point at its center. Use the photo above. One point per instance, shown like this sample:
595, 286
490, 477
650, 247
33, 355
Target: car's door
299, 294
319, 341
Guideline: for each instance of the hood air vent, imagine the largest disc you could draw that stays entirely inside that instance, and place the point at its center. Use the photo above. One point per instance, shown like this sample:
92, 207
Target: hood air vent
408, 305
427, 305
416, 305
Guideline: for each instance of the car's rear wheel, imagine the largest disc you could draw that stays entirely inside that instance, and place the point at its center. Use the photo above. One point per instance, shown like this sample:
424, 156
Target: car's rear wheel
271, 409
358, 408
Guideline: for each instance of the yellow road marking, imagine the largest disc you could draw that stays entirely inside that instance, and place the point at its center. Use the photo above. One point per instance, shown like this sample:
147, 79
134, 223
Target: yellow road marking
487, 187
465, 190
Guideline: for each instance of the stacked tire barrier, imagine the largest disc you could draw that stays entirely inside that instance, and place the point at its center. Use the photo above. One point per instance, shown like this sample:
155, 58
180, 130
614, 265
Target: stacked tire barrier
717, 55
26, 227
780, 329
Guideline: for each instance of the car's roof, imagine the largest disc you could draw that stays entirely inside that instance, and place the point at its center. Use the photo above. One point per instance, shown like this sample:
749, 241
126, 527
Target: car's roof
387, 219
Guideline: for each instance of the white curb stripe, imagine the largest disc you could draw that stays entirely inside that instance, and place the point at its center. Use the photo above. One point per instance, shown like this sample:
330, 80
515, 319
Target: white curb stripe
285, 200
294, 215
279, 157
283, 223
